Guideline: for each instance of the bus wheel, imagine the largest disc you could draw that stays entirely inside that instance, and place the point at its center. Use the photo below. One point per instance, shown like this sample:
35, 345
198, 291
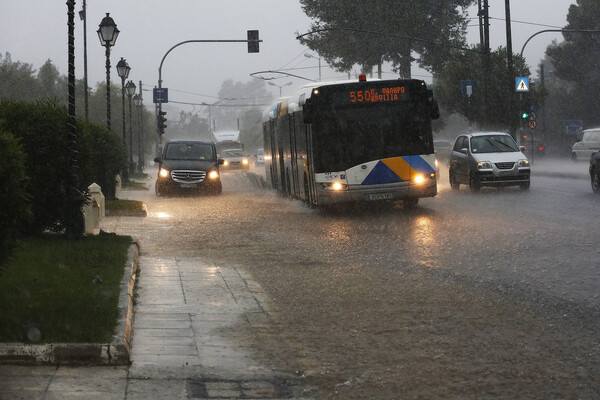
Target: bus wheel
306, 190
410, 202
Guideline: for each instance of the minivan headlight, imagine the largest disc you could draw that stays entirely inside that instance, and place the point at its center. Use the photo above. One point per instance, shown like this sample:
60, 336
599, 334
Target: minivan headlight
484, 165
213, 174
163, 173
523, 163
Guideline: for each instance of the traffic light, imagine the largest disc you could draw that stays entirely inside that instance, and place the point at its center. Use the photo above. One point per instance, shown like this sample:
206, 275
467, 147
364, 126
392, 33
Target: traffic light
162, 122
524, 115
253, 42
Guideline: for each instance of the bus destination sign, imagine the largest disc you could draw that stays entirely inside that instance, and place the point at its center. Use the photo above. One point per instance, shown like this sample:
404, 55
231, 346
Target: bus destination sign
373, 95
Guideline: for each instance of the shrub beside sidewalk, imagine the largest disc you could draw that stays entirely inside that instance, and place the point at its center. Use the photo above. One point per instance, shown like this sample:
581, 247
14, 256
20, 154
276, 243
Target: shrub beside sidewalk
67, 289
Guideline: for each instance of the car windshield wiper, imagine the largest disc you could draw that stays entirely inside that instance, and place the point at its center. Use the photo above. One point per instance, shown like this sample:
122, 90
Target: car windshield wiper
504, 144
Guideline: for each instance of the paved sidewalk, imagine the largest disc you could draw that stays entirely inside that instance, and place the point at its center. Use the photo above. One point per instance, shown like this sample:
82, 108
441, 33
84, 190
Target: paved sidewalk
191, 322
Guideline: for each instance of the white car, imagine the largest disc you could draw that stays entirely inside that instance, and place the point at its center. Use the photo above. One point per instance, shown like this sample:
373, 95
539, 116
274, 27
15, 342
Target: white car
259, 157
589, 144
488, 159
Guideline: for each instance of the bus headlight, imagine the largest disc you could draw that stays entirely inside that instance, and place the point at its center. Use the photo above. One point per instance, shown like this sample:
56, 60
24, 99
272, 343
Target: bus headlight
418, 179
163, 173
334, 186
337, 186
213, 175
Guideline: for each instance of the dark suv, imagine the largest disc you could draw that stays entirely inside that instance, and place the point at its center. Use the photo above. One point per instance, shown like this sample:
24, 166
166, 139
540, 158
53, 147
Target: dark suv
188, 166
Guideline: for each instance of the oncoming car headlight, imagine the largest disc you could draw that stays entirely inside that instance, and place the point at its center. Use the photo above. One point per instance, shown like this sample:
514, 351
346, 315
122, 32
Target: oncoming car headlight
523, 163
225, 163
484, 165
245, 161
213, 175
163, 173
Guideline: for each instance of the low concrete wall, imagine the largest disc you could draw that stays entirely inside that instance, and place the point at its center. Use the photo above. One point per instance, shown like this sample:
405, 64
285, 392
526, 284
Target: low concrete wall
115, 353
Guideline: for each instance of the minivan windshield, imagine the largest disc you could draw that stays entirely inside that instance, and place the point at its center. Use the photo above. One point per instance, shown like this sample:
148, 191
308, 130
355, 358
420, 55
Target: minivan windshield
189, 151
493, 144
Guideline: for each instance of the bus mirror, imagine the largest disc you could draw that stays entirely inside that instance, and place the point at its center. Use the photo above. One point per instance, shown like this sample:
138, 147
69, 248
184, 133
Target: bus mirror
307, 111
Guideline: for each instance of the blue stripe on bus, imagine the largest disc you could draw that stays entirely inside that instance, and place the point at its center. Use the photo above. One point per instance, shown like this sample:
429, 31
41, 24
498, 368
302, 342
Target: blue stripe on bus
419, 164
381, 173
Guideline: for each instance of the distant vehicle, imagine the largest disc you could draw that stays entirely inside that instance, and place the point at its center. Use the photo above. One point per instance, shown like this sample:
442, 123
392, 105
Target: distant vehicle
259, 157
443, 149
488, 159
235, 159
534, 148
188, 166
595, 172
589, 143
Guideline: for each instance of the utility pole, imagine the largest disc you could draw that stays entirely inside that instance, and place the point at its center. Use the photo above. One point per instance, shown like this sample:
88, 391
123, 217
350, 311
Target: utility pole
511, 73
486, 61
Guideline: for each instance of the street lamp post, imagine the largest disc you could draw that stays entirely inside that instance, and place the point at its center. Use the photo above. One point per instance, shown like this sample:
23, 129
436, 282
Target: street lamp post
123, 72
83, 17
108, 33
319, 58
282, 86
139, 102
130, 90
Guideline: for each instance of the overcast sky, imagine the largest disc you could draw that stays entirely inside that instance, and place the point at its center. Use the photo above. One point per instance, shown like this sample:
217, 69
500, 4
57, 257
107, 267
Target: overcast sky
36, 30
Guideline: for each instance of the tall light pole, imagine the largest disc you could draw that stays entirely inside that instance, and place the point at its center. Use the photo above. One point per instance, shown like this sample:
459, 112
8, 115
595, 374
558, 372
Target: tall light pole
130, 90
83, 17
74, 223
319, 58
139, 103
123, 71
108, 33
282, 86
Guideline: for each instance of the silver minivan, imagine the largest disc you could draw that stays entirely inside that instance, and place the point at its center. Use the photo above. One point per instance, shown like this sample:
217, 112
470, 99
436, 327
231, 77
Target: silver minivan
488, 159
589, 144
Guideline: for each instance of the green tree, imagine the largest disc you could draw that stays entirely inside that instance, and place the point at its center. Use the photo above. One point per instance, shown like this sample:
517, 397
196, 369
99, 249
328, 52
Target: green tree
448, 89
17, 80
576, 60
428, 27
50, 82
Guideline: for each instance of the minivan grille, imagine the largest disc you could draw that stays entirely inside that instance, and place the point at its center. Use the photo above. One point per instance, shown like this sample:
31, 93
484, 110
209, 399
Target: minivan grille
505, 165
186, 176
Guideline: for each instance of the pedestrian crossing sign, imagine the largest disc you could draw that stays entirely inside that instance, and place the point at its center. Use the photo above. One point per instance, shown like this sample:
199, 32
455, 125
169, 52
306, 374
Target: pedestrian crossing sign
522, 84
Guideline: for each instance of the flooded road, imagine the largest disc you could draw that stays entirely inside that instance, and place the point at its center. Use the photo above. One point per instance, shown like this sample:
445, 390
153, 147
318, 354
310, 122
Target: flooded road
486, 295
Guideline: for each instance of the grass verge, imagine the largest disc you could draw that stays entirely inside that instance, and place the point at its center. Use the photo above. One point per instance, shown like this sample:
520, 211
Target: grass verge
52, 283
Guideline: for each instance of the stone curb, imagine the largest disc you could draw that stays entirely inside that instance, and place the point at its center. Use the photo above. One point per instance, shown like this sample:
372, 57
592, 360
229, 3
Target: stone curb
115, 353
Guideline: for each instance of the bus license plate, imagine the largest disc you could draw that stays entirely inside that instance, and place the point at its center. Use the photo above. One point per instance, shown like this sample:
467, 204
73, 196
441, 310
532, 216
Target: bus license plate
380, 196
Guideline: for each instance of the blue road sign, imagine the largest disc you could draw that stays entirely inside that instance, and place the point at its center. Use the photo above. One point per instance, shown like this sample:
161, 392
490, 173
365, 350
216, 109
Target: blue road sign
468, 87
522, 84
573, 127
160, 95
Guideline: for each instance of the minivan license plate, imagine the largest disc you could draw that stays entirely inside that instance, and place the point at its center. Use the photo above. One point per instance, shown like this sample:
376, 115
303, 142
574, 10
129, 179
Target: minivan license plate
380, 196
187, 185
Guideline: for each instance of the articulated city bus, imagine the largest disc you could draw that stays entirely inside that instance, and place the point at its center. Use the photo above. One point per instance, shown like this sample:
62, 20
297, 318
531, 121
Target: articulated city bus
353, 142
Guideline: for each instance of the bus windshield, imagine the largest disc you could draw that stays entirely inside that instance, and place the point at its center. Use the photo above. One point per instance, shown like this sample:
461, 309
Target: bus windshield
345, 138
